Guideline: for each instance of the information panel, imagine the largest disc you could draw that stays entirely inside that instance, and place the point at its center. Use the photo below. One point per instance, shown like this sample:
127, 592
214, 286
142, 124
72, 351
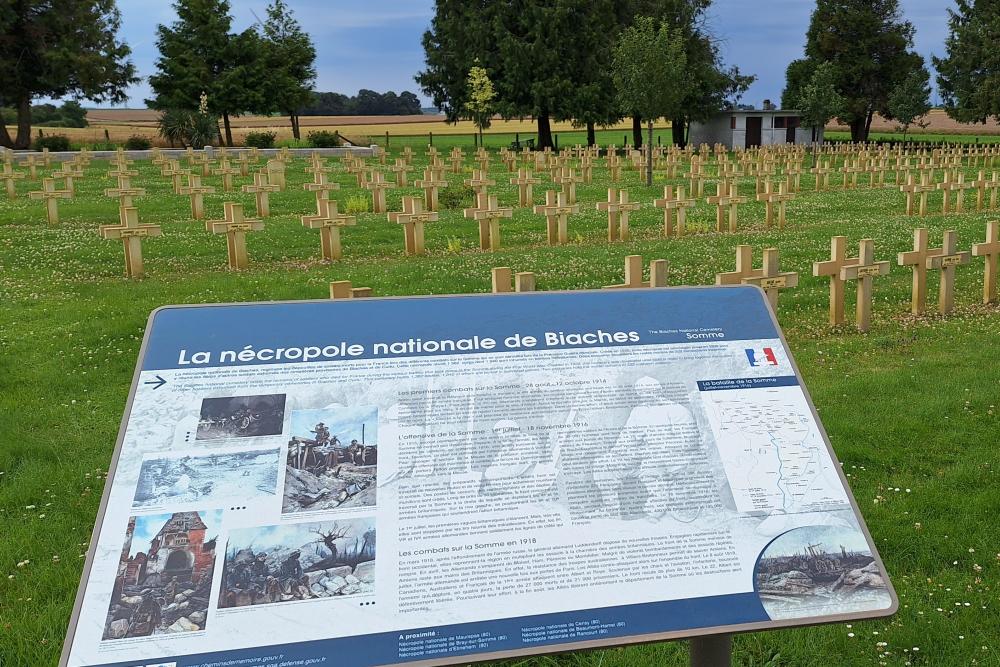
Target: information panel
441, 480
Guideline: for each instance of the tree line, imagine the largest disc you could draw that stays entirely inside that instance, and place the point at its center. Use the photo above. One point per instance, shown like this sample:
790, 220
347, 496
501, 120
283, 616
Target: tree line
365, 103
592, 62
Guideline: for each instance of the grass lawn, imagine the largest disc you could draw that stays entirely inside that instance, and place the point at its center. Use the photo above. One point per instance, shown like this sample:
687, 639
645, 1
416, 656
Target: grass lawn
912, 407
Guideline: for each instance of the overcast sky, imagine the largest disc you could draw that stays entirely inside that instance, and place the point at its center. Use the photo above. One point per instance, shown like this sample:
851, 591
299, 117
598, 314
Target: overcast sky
376, 45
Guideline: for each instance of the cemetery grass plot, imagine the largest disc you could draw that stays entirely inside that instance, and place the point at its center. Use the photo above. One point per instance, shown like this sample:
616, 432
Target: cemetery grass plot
241, 417
164, 578
216, 477
294, 562
332, 459
817, 571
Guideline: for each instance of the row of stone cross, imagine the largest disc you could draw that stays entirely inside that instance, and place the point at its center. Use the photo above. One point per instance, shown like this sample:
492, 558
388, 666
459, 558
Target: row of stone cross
839, 270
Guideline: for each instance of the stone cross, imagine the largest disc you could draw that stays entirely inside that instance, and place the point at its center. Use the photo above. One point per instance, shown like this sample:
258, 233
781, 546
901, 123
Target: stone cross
945, 262
196, 191
68, 172
173, 171
670, 204
343, 289
722, 202
329, 221
658, 269
479, 182
407, 154
430, 184
243, 160
261, 190
950, 185
413, 218
377, 185
991, 251
9, 177
567, 179
31, 163
770, 278
556, 211
921, 190
524, 182
618, 208
456, 158
864, 269
227, 172
918, 259
121, 171
822, 172
772, 199
321, 186
832, 269
402, 169
51, 197
131, 234
124, 192
614, 166
522, 282
489, 214
276, 173
235, 226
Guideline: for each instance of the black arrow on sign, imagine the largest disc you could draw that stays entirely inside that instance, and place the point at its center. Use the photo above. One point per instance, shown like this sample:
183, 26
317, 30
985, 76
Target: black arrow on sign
159, 382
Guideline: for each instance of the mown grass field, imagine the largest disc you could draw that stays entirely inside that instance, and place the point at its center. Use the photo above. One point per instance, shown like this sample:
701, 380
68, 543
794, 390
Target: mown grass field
912, 407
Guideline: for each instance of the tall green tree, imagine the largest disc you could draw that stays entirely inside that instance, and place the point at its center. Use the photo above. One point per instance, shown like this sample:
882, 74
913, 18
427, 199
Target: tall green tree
291, 62
969, 74
910, 100
482, 95
57, 48
870, 47
817, 98
199, 54
711, 84
648, 67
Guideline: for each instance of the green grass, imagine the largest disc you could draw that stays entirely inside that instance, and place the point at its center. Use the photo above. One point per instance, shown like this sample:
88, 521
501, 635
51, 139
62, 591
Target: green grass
911, 407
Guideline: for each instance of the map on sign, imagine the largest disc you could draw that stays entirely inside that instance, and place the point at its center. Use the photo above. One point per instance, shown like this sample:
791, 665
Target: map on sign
446, 480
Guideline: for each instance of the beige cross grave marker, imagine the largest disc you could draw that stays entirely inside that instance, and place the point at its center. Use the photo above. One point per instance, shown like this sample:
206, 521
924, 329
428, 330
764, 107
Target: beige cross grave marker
124, 192
235, 226
524, 182
343, 289
321, 186
991, 251
724, 202
173, 170
329, 221
618, 208
479, 182
31, 162
945, 262
227, 172
950, 185
864, 269
489, 214
502, 277
431, 183
51, 197
774, 199
413, 218
402, 169
261, 190
377, 185
196, 191
567, 180
832, 269
68, 172
276, 173
670, 204
10, 177
769, 278
918, 258
658, 270
556, 211
131, 233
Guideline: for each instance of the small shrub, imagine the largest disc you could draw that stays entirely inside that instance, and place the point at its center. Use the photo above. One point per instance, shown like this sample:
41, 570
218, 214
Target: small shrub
324, 139
454, 245
357, 205
260, 139
457, 196
57, 143
137, 142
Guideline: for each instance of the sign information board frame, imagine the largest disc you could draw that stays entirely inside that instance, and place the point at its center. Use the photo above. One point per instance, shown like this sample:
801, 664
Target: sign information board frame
547, 472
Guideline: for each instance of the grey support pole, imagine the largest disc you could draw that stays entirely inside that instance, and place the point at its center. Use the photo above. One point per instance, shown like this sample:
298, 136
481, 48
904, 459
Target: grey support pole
714, 651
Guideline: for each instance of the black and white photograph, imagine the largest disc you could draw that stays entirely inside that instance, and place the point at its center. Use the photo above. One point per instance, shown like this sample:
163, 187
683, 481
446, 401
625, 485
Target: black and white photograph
164, 578
293, 562
218, 477
332, 459
819, 570
241, 417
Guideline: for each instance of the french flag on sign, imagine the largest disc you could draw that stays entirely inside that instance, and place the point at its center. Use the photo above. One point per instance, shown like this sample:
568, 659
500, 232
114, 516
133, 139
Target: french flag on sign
763, 357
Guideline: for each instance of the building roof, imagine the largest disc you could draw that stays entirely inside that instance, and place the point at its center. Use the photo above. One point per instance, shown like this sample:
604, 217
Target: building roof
182, 522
